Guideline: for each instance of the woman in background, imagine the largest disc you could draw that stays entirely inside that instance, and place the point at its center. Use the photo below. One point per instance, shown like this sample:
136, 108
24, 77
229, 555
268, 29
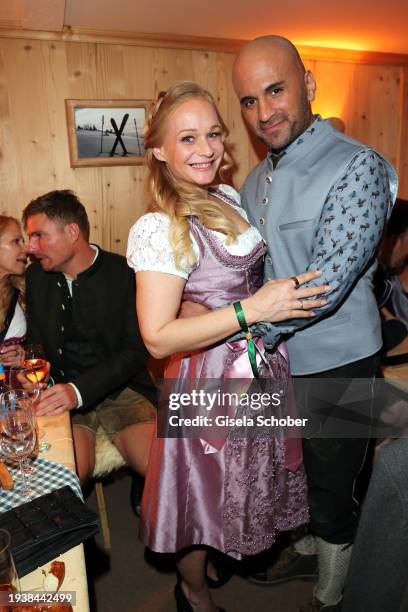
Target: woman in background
12, 267
232, 494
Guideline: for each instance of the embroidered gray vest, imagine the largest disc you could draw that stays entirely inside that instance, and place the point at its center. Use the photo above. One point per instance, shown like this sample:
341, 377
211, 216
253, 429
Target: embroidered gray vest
285, 204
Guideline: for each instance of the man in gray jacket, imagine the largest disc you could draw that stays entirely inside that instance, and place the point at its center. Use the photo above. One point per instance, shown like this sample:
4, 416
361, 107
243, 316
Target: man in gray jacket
320, 201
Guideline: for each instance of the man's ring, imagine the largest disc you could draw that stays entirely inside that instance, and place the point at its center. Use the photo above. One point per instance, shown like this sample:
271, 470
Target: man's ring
296, 281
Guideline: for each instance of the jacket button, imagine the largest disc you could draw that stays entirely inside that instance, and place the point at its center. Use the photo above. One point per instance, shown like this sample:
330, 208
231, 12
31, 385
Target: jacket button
62, 328
62, 306
265, 200
269, 260
269, 180
59, 351
262, 221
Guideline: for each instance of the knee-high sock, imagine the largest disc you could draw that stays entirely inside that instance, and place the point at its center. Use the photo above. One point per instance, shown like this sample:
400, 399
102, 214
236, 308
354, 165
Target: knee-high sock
306, 545
333, 562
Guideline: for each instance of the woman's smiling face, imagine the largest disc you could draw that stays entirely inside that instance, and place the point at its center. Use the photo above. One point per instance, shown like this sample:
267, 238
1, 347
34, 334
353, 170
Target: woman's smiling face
12, 251
193, 144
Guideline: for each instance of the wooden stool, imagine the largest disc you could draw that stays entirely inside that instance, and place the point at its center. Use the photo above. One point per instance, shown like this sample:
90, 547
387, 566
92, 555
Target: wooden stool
107, 460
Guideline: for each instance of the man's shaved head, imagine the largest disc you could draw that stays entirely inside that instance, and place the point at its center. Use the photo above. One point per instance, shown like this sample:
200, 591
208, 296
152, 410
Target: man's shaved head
269, 44
274, 90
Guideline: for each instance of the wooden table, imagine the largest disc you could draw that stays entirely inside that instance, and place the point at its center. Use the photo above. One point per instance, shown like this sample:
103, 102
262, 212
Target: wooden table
58, 433
397, 375
400, 349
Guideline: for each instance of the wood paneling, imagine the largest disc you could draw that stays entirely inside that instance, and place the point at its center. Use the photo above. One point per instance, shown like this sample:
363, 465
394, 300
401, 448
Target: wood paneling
36, 75
403, 135
366, 97
29, 15
12, 28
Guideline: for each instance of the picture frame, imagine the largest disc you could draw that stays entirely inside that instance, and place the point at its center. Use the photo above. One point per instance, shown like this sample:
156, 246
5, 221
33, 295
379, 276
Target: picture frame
106, 132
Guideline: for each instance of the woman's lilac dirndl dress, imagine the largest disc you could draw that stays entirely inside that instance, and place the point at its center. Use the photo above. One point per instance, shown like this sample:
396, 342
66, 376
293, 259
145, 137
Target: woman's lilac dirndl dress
237, 497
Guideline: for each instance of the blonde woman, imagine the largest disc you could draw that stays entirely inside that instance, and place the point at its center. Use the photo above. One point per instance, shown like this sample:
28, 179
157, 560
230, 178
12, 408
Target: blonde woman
12, 267
229, 494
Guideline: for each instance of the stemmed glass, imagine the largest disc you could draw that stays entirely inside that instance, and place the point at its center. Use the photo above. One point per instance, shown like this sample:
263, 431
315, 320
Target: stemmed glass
17, 431
8, 575
36, 370
24, 380
34, 358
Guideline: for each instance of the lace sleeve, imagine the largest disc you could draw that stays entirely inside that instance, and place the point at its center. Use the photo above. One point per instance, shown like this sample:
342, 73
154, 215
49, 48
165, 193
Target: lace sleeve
149, 247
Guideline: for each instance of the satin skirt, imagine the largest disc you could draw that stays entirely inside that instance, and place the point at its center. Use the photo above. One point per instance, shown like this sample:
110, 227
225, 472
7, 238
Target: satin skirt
234, 499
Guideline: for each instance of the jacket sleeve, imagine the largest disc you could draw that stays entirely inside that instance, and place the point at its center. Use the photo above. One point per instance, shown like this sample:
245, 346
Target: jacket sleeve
346, 240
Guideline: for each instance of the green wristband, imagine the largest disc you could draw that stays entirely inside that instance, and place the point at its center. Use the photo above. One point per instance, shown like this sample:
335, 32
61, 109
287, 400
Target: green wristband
239, 311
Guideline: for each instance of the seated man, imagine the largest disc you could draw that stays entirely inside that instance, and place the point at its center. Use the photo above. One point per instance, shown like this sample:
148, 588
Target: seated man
81, 308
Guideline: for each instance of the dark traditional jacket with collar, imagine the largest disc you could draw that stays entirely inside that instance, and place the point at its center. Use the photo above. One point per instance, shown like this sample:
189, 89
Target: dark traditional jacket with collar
105, 298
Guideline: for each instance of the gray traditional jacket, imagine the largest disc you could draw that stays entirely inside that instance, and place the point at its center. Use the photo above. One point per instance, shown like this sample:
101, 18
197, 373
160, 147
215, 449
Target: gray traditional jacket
290, 207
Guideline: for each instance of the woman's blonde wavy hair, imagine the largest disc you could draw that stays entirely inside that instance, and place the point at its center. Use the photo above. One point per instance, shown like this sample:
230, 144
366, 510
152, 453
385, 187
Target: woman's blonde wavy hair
179, 199
12, 282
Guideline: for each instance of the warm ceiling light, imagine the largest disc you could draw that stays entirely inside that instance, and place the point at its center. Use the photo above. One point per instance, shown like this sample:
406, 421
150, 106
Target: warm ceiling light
333, 44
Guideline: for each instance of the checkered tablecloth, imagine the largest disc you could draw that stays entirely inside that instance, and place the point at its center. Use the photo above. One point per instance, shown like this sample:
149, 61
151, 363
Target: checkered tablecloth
47, 477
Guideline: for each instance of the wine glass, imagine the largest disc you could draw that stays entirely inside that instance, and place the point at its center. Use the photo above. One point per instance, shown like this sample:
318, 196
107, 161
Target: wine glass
29, 375
34, 358
25, 378
17, 431
8, 575
26, 391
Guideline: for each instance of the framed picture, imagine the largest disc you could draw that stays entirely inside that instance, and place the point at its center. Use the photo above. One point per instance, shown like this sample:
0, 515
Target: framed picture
106, 132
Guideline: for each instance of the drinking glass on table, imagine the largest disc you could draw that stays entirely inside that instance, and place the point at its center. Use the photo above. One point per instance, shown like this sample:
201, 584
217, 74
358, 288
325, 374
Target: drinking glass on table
26, 379
17, 431
8, 575
34, 357
28, 393
30, 374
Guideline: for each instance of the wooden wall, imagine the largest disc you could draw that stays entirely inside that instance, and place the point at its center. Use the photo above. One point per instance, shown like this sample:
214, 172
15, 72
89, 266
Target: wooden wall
37, 75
